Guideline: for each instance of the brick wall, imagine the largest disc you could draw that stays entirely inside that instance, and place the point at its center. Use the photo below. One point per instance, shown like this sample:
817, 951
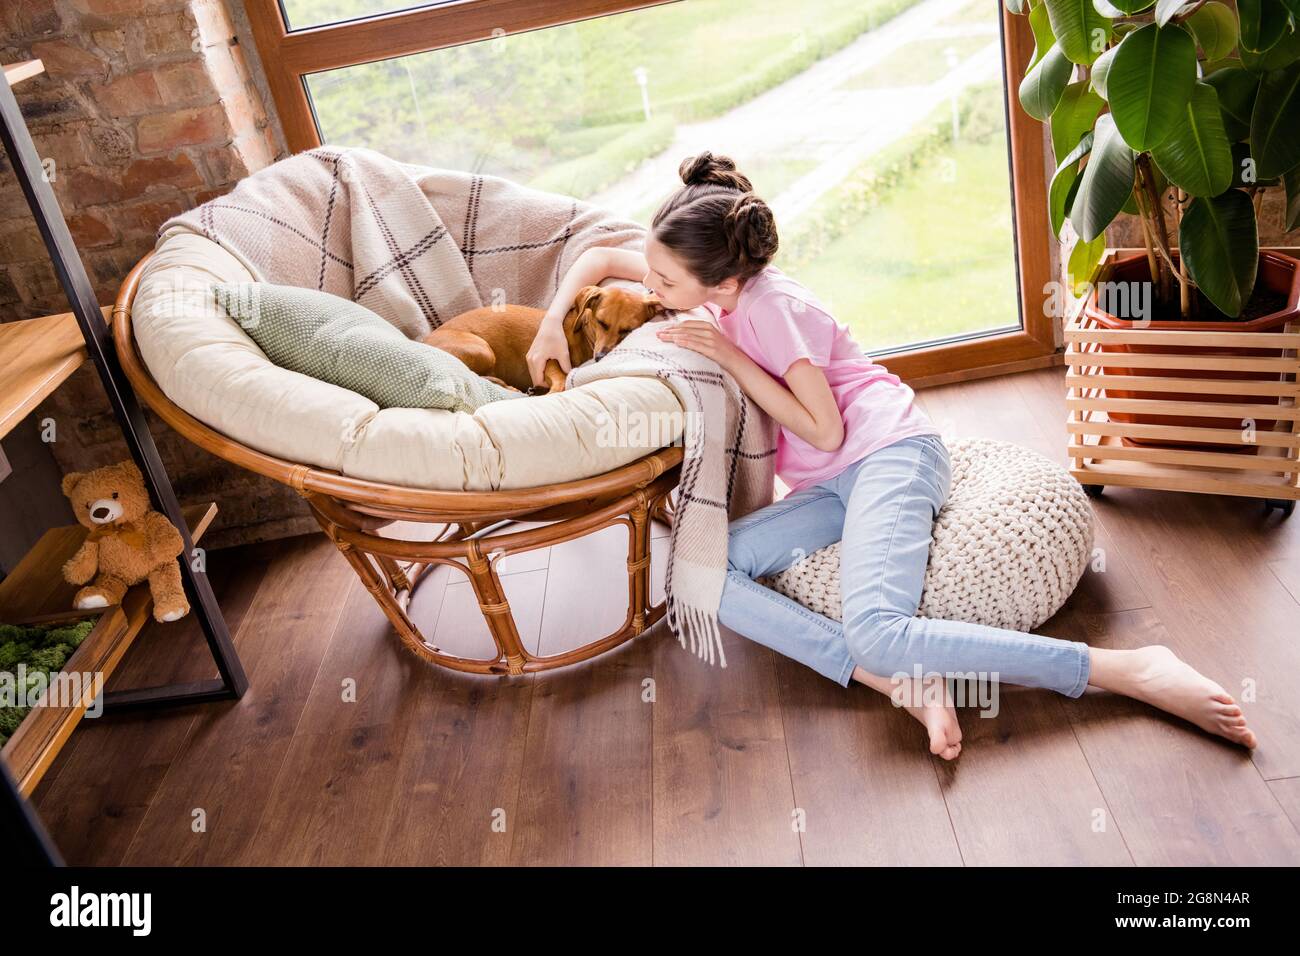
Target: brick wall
146, 108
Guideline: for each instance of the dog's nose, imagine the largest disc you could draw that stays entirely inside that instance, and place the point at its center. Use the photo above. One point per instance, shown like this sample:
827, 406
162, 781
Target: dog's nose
601, 355
99, 514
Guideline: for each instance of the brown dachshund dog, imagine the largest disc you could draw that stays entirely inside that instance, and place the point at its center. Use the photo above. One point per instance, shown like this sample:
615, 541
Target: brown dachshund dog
494, 341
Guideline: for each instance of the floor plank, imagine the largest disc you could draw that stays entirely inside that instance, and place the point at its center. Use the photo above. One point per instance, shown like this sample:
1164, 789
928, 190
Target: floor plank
1222, 814
722, 789
863, 776
585, 795
455, 799
210, 803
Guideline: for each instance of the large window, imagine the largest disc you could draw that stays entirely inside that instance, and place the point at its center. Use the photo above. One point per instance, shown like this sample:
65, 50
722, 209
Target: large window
877, 130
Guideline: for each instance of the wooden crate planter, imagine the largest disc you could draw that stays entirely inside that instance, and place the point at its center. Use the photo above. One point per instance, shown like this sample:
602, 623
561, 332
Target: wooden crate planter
1260, 463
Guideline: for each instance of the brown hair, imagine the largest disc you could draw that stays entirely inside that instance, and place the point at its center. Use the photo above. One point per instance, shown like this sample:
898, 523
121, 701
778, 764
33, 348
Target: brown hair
714, 223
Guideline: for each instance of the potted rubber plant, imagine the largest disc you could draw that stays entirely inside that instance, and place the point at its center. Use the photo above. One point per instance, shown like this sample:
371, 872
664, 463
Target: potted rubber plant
1181, 112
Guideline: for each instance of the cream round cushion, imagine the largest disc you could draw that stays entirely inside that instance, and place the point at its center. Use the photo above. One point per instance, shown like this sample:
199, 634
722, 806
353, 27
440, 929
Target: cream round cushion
205, 363
1009, 545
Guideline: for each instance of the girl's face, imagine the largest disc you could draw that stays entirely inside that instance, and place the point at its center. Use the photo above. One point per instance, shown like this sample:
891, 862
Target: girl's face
676, 288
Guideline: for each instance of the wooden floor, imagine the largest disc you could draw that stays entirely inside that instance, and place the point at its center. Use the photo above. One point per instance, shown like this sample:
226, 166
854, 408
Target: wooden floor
346, 750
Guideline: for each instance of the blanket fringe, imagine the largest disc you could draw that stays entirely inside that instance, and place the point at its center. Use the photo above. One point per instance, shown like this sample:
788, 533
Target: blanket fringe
701, 627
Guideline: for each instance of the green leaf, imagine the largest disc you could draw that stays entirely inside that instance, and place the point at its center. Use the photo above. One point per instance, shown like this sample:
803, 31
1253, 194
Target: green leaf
1073, 116
1236, 90
1080, 30
1060, 194
1197, 157
1292, 181
1084, 259
1100, 69
1262, 23
1043, 38
1215, 29
1244, 173
1225, 63
1042, 88
1149, 83
1065, 184
1123, 7
1275, 122
1281, 54
1219, 242
1107, 181
1165, 10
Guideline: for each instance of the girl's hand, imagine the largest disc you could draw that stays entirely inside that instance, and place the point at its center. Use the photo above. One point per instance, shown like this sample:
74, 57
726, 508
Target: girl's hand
549, 343
705, 338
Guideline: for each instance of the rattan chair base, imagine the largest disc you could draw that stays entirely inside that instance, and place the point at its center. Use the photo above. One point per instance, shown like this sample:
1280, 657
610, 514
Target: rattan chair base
391, 569
350, 511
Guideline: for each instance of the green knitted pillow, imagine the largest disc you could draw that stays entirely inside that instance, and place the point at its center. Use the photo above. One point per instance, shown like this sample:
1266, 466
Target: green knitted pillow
337, 341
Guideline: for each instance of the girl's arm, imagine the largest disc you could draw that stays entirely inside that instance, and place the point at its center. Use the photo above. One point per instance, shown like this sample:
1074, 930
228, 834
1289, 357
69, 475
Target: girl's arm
807, 408
589, 268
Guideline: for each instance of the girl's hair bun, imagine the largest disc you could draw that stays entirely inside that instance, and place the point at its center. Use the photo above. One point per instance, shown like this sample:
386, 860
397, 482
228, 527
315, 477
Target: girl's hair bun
751, 231
707, 168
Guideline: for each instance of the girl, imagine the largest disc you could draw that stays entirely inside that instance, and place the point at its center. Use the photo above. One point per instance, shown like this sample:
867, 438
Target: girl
865, 466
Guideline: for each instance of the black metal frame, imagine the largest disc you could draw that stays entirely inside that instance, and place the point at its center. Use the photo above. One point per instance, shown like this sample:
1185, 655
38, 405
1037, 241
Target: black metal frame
76, 284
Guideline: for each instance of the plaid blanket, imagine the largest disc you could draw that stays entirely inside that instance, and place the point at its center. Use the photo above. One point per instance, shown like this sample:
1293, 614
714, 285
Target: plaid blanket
419, 245
727, 472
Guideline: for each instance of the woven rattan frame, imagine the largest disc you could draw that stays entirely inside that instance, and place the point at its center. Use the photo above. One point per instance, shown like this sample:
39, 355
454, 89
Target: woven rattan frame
349, 511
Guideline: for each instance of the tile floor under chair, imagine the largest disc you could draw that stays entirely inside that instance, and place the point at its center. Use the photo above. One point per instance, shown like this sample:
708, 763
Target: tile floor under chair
575, 766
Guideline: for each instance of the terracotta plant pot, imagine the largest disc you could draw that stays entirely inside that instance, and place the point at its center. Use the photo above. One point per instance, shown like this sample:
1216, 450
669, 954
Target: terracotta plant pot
1278, 272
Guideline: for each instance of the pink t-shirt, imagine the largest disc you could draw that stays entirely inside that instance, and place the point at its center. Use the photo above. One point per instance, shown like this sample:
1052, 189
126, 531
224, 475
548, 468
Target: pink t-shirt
776, 322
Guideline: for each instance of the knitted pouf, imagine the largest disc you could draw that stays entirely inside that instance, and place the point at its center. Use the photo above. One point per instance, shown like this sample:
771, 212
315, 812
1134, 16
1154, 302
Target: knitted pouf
1008, 548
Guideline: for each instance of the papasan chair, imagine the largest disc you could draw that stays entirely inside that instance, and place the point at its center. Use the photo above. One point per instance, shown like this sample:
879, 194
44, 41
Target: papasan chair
360, 467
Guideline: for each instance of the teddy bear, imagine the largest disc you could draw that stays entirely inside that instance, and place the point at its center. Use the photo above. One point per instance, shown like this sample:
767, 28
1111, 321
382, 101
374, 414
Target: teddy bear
128, 542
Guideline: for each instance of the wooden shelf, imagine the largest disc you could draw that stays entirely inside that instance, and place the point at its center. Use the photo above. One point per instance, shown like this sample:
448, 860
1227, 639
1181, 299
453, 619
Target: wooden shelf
36, 357
36, 592
15, 73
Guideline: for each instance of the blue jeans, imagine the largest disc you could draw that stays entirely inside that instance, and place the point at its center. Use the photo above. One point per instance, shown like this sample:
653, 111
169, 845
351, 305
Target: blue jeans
883, 508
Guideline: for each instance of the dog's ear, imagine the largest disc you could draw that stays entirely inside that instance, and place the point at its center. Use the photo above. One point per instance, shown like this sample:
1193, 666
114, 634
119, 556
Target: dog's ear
652, 305
584, 305
588, 298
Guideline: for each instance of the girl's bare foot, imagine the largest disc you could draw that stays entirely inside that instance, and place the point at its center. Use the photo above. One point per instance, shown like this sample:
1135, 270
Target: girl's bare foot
1159, 677
928, 701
